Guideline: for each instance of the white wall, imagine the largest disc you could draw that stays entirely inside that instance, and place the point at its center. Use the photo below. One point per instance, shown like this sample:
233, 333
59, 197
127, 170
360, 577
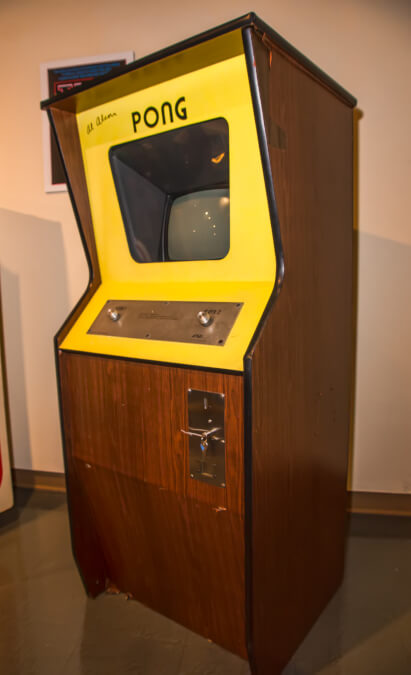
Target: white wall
364, 45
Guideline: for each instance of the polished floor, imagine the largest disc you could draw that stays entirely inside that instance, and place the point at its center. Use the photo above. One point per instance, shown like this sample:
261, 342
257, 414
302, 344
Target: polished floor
49, 627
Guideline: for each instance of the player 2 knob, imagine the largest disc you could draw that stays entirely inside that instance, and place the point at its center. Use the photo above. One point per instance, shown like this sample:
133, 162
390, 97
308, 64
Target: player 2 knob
113, 314
205, 318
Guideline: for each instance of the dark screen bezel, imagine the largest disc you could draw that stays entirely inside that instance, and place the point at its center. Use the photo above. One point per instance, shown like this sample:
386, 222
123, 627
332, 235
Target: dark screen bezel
170, 199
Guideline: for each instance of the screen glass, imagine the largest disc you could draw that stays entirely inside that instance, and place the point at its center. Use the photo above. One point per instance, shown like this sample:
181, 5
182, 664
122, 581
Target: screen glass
199, 226
173, 193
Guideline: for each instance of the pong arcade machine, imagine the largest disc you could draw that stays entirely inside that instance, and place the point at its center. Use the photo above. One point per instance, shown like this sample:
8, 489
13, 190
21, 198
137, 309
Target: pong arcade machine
204, 376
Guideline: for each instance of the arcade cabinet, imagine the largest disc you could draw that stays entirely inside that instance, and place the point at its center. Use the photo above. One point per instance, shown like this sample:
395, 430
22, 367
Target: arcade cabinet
204, 376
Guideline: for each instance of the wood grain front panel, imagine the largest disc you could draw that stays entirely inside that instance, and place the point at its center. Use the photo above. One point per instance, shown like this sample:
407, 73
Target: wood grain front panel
85, 541
175, 544
300, 370
128, 416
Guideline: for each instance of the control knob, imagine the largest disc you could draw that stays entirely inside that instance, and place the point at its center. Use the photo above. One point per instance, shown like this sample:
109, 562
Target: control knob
205, 318
113, 314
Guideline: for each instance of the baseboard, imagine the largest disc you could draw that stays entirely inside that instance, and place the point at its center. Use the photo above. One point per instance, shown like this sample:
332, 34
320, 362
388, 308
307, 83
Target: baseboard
39, 480
380, 503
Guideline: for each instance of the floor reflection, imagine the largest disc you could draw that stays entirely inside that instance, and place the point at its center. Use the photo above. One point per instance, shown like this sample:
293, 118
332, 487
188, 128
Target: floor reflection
49, 626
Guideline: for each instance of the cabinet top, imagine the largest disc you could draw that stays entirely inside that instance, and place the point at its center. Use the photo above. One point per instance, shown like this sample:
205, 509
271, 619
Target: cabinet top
73, 100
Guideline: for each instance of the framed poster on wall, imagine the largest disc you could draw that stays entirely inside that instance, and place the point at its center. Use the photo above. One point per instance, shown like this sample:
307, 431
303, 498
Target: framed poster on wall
58, 77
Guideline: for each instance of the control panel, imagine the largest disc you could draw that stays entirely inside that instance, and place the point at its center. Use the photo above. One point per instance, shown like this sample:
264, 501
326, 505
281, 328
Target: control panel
208, 323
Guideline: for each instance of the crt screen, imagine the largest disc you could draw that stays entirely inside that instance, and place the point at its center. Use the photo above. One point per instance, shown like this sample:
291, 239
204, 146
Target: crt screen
199, 226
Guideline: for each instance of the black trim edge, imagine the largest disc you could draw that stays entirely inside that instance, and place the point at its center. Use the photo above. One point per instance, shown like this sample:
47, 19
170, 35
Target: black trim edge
227, 27
269, 184
287, 47
247, 20
248, 464
248, 510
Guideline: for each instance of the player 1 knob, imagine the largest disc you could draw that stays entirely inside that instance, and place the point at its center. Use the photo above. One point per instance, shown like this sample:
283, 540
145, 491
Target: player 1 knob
205, 318
113, 314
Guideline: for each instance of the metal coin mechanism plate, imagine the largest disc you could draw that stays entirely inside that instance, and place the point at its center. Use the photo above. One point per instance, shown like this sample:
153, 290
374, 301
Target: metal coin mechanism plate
206, 435
174, 321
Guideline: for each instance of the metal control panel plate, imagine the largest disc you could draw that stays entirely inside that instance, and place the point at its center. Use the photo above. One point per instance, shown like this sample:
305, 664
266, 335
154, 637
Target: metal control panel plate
207, 323
206, 436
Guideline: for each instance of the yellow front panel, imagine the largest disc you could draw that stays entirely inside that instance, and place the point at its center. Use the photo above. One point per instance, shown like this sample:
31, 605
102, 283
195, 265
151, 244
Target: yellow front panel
245, 275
